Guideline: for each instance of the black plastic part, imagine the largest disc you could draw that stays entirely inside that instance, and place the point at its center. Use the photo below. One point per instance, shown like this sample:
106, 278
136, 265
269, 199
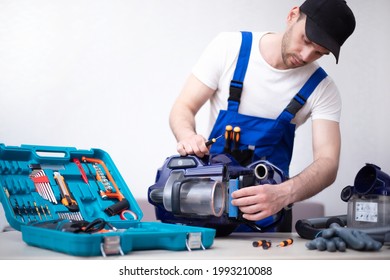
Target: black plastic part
73, 207
309, 228
157, 195
235, 91
346, 193
175, 198
337, 220
95, 226
117, 207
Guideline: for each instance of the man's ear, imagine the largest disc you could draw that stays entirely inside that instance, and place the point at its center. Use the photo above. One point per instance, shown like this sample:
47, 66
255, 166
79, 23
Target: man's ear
293, 15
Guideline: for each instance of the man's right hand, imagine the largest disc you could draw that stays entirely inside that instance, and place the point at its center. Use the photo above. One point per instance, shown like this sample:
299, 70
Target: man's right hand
195, 144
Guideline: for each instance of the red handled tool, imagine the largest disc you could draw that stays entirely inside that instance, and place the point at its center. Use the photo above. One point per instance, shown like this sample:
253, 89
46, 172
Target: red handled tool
83, 175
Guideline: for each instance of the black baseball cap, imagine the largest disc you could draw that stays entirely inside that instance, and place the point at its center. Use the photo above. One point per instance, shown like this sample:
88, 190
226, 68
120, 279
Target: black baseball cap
328, 23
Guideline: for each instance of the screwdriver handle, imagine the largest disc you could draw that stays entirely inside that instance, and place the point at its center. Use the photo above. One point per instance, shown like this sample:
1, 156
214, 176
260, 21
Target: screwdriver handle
209, 142
228, 138
212, 141
286, 242
236, 138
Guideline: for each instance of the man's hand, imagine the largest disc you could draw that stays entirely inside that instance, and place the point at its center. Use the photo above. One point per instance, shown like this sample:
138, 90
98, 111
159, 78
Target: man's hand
339, 238
260, 201
195, 144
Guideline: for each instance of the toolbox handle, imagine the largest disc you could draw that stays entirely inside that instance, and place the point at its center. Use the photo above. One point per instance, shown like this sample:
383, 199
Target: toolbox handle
53, 154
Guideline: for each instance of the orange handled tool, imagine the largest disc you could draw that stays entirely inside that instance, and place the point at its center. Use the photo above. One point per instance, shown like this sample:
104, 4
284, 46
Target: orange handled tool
228, 138
285, 243
67, 199
263, 243
236, 138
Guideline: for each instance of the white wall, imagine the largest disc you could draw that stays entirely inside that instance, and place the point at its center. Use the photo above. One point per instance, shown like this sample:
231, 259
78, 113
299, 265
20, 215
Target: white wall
104, 74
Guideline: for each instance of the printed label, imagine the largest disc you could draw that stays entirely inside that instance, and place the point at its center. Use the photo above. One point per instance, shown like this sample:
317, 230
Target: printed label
366, 212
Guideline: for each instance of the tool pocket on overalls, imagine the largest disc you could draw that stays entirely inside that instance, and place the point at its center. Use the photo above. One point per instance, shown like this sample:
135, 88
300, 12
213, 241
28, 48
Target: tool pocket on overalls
256, 144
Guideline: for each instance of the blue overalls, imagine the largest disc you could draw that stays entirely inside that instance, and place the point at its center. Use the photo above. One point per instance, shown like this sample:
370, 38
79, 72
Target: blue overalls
269, 139
261, 138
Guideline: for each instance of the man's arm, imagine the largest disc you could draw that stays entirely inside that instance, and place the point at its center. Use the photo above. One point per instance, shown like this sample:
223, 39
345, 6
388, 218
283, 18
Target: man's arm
259, 202
182, 117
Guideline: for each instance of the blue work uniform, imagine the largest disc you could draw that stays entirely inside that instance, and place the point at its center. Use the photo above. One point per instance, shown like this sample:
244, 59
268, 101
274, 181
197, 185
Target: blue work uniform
260, 138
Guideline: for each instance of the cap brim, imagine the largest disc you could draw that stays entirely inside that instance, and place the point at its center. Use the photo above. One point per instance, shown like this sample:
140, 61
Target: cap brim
315, 34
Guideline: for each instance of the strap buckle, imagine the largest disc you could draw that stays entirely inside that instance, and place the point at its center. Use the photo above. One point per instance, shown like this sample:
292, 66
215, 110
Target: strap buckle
235, 90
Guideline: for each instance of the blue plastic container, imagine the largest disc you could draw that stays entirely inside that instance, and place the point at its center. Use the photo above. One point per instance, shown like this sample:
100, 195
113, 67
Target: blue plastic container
53, 194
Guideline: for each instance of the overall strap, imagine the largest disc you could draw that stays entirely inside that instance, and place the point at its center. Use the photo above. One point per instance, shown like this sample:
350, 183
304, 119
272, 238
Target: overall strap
301, 97
239, 73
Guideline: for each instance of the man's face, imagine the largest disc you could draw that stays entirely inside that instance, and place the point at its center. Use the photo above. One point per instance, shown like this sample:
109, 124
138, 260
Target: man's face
297, 49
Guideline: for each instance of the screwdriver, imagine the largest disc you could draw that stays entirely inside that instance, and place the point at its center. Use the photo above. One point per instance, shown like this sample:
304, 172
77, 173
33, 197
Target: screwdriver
263, 243
212, 140
236, 138
228, 138
286, 242
266, 245
258, 243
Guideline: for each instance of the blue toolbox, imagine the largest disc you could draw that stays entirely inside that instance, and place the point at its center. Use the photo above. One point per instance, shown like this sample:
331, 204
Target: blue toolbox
76, 202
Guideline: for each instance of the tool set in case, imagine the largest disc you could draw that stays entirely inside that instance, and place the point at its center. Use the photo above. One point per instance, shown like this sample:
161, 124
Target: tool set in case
76, 202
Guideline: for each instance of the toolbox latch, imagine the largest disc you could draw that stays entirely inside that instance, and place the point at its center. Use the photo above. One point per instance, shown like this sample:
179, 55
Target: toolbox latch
111, 245
194, 241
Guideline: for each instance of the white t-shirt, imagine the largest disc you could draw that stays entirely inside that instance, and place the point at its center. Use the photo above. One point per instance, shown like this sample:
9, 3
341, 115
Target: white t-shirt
266, 91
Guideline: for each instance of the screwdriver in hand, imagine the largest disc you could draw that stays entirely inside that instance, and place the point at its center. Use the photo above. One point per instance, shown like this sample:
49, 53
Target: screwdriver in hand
212, 141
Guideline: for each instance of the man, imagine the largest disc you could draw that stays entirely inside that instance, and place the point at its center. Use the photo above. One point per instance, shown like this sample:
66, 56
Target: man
279, 66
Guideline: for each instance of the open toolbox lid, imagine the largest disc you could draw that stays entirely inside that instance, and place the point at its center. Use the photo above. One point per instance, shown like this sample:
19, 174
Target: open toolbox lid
46, 190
